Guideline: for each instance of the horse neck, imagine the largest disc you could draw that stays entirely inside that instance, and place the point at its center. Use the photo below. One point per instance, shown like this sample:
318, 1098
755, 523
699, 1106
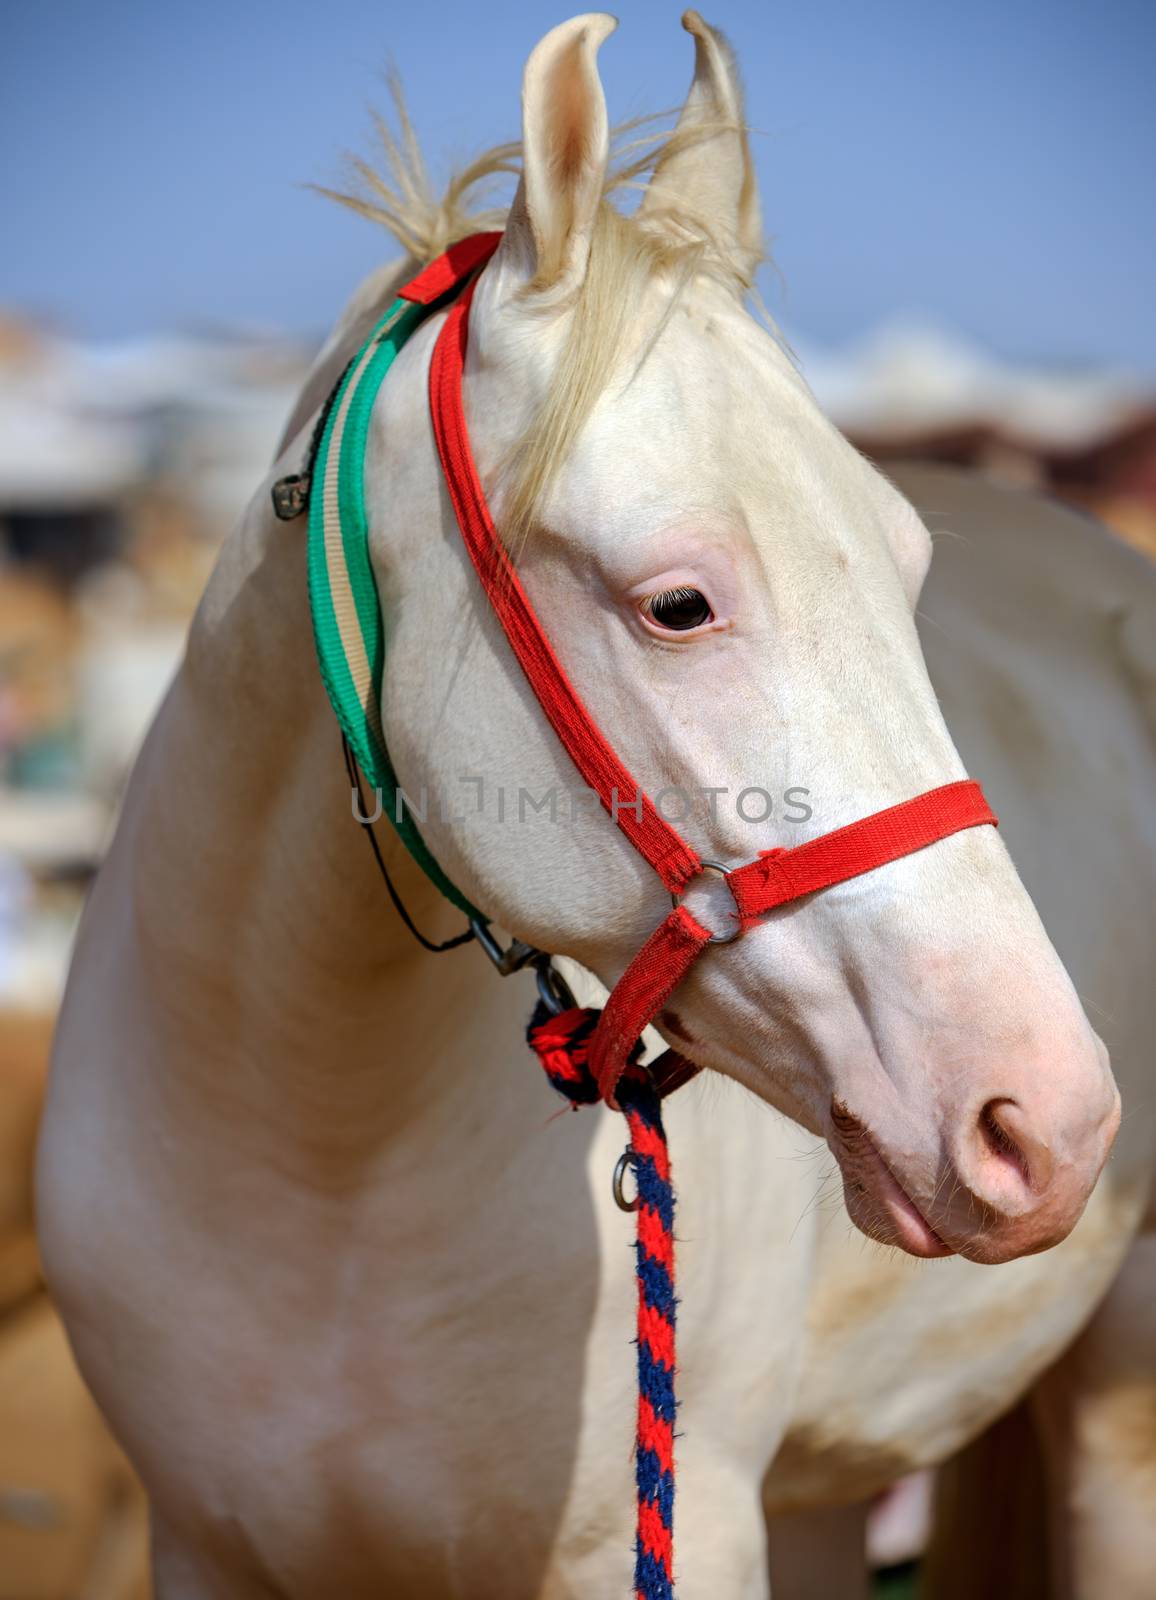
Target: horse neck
270, 953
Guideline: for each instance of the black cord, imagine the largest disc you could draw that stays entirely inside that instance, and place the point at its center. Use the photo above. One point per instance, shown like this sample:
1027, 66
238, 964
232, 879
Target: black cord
291, 493
367, 826
322, 419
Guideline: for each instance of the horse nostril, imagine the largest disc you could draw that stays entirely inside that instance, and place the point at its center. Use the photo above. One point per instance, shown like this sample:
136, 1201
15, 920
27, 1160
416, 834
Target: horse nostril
1009, 1138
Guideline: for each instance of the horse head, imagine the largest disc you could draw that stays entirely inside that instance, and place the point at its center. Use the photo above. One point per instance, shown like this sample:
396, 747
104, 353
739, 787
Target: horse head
731, 587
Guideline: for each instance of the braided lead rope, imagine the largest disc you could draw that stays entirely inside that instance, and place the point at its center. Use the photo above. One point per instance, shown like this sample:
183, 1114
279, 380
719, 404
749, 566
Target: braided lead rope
654, 1275
561, 1043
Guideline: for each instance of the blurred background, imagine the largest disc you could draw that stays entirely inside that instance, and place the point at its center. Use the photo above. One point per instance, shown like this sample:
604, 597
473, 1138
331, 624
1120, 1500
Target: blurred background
960, 208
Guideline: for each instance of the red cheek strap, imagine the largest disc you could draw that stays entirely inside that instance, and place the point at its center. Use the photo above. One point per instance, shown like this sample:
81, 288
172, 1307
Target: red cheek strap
640, 994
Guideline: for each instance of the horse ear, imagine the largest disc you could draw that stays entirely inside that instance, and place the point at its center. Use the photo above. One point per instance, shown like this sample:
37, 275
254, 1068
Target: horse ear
706, 171
565, 149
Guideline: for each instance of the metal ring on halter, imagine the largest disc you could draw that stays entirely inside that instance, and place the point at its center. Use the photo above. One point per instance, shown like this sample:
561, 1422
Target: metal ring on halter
625, 1162
676, 901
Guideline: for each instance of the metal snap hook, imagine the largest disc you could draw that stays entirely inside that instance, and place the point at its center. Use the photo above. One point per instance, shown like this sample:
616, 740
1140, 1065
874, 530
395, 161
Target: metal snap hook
676, 901
553, 989
625, 1161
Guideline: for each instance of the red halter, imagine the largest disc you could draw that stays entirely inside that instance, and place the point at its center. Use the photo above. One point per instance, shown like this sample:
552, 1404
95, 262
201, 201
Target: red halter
773, 878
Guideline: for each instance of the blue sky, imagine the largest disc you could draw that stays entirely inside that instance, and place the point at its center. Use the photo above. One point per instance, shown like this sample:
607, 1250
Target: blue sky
987, 164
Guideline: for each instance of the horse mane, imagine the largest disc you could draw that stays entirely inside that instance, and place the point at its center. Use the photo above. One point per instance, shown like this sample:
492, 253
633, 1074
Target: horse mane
628, 254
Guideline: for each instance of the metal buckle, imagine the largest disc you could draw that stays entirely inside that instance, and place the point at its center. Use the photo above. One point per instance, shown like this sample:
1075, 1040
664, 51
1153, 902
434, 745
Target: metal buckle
676, 901
291, 496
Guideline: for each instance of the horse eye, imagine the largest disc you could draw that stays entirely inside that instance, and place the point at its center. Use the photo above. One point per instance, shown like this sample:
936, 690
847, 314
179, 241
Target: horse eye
679, 609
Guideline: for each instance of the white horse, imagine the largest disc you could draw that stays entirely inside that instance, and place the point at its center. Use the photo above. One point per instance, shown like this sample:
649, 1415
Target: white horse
356, 1304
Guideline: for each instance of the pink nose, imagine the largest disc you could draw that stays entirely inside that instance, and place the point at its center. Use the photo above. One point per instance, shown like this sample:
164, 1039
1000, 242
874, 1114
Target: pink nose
1030, 1174
1010, 1161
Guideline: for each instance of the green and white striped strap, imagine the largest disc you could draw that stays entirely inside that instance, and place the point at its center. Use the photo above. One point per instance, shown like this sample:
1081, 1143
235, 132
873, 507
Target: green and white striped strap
347, 623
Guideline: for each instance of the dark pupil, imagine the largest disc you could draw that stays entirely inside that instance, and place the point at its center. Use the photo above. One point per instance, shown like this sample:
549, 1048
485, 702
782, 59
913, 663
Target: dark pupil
680, 609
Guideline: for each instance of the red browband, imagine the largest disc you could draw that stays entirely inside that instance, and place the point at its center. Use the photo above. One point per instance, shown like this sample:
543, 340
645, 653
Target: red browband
774, 877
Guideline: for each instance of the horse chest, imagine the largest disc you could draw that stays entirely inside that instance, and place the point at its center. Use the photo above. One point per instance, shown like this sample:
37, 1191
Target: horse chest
432, 1385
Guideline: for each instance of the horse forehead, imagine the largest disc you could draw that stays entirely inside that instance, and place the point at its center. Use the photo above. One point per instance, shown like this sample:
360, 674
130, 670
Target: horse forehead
745, 422
710, 386
717, 417
707, 412
704, 361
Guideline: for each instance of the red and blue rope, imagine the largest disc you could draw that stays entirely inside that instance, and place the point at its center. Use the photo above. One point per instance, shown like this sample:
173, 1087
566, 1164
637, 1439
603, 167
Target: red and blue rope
562, 1043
